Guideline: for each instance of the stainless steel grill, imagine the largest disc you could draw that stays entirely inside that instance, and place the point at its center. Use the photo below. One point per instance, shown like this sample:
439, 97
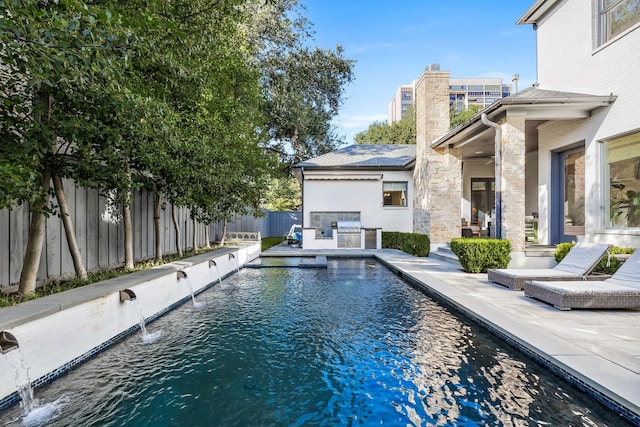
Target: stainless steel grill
348, 226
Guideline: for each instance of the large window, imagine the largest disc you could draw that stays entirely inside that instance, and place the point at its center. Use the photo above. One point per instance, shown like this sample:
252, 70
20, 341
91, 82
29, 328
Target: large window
617, 16
623, 170
394, 193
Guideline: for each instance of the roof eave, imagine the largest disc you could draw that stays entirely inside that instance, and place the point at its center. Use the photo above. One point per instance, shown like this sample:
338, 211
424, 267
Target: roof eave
489, 110
536, 11
406, 166
591, 103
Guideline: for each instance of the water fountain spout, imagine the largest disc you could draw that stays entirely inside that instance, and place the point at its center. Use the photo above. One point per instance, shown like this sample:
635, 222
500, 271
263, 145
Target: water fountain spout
7, 342
181, 274
212, 262
127, 295
232, 256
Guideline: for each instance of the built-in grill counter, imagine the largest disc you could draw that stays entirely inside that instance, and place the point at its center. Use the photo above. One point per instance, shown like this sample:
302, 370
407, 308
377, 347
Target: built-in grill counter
328, 232
349, 234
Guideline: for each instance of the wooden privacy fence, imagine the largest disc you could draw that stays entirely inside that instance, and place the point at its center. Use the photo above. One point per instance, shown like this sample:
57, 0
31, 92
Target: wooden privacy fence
100, 234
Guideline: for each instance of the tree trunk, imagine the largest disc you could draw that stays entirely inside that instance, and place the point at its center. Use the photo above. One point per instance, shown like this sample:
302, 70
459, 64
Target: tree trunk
74, 250
195, 239
128, 232
37, 228
176, 226
31, 262
156, 226
224, 232
206, 237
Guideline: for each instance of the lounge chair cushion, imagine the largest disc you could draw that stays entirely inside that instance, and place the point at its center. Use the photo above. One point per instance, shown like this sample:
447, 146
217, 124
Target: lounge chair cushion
629, 272
621, 291
580, 260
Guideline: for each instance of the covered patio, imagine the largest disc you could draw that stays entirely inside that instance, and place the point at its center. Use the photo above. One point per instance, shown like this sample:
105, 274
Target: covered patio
506, 184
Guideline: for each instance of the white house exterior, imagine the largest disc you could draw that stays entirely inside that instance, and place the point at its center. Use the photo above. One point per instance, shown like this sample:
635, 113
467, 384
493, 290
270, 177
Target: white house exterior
565, 151
563, 154
351, 195
591, 47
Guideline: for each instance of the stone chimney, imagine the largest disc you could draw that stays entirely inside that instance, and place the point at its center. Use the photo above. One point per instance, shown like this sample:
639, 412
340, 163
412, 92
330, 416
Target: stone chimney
438, 172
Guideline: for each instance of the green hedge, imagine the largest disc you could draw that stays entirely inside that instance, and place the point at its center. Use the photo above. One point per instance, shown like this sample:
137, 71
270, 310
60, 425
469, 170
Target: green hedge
563, 249
412, 243
478, 255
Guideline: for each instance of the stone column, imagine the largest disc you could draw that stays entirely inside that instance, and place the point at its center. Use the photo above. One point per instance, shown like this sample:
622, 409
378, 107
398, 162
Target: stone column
513, 179
438, 172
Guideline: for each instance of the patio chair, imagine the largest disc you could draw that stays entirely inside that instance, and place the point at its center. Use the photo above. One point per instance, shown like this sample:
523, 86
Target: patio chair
620, 291
578, 263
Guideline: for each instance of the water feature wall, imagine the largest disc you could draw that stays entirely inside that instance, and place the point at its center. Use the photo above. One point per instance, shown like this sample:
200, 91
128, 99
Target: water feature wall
59, 331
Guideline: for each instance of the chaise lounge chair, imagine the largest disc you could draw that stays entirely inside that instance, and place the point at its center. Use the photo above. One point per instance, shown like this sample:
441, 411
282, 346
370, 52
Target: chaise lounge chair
620, 291
579, 262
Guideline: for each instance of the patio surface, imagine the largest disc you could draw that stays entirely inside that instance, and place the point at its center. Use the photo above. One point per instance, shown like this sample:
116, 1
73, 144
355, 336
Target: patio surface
598, 350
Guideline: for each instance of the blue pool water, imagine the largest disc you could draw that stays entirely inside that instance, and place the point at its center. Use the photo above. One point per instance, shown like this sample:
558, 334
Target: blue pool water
348, 345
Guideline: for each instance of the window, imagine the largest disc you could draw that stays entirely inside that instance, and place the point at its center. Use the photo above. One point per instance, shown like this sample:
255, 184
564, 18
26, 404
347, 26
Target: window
623, 170
394, 193
617, 16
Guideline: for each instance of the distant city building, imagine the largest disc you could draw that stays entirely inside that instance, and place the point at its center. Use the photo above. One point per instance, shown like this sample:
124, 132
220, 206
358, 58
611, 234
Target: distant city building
482, 92
462, 93
403, 98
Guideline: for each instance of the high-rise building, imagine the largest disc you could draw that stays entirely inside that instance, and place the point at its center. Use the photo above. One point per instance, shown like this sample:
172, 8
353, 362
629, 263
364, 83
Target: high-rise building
462, 93
482, 92
403, 98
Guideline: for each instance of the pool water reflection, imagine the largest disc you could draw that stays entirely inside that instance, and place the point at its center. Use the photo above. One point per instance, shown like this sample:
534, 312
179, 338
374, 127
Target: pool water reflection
350, 344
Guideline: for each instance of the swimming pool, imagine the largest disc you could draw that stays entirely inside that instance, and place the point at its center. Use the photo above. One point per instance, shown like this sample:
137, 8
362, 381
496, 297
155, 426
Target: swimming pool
350, 344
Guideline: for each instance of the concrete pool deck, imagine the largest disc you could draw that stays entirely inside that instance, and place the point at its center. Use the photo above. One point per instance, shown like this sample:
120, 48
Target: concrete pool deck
597, 350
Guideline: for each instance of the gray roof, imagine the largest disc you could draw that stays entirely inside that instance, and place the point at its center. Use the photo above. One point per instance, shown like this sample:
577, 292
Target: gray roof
390, 156
533, 95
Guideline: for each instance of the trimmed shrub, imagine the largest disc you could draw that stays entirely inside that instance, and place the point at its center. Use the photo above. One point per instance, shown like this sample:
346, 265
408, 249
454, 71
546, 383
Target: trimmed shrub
478, 255
562, 250
613, 264
412, 243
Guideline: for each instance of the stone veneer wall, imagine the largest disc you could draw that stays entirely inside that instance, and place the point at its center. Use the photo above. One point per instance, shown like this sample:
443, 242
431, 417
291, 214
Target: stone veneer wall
513, 180
438, 173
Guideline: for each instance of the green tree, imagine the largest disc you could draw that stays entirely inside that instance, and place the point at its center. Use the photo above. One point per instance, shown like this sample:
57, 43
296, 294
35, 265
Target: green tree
53, 54
284, 194
459, 117
303, 86
162, 95
400, 132
404, 130
187, 67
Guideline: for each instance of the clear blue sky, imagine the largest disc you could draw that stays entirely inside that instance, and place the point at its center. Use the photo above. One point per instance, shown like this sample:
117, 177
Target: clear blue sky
393, 41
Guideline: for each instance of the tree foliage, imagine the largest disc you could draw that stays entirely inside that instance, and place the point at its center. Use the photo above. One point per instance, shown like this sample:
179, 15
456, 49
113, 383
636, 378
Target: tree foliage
402, 131
284, 194
459, 117
194, 100
303, 86
55, 57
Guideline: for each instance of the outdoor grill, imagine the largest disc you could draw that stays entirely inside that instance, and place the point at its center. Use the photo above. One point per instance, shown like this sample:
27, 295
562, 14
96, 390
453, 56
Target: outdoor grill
350, 227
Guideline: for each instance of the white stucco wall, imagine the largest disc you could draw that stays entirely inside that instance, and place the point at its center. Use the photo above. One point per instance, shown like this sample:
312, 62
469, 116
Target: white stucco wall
576, 64
364, 196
